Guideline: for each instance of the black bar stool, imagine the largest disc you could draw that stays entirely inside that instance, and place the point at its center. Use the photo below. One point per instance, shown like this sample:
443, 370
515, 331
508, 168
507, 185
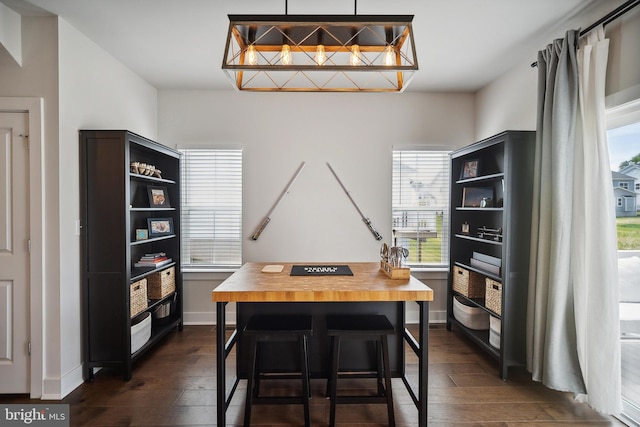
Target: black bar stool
263, 328
368, 327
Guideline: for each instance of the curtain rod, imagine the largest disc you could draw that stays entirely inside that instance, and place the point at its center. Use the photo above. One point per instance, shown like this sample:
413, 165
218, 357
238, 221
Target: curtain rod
610, 17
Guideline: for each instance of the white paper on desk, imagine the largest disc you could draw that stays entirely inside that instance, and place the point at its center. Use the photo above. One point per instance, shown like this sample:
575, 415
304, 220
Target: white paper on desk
272, 268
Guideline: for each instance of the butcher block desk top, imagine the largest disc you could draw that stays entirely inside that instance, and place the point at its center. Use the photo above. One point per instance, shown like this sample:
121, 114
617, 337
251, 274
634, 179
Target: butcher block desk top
368, 283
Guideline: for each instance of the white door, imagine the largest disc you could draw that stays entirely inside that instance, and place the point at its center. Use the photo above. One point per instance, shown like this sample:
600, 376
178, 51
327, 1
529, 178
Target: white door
14, 253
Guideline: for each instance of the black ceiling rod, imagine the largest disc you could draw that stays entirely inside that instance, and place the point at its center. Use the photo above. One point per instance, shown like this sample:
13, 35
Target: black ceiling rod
355, 7
286, 7
609, 17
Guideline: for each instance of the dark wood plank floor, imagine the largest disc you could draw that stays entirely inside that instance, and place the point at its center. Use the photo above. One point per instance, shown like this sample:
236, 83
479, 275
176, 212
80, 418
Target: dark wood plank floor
174, 385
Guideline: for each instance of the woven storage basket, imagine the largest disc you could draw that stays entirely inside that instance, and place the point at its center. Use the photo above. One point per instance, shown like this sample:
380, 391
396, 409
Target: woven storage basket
468, 283
162, 283
493, 299
138, 296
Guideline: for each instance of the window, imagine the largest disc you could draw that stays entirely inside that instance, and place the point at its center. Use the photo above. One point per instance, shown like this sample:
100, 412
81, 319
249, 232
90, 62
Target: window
624, 185
420, 205
211, 208
623, 137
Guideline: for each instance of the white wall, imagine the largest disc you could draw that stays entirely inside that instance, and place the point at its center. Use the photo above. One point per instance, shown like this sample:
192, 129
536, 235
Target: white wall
96, 92
316, 222
82, 87
38, 77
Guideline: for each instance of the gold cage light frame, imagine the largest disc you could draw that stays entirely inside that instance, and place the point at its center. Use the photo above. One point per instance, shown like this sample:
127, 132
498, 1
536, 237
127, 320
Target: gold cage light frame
327, 53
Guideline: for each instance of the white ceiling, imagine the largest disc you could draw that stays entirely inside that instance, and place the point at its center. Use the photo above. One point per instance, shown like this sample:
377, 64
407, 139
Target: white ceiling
461, 44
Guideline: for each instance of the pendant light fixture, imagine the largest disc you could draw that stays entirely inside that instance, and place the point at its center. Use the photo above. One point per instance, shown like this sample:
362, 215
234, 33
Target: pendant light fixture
320, 53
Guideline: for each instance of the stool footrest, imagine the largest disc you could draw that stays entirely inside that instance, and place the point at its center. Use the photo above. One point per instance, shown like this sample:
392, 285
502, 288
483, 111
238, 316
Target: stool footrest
277, 400
361, 400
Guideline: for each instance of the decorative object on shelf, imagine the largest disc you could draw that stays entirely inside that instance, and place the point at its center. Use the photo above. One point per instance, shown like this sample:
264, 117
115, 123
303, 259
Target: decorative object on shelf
165, 309
320, 53
495, 328
493, 292
162, 283
471, 316
142, 234
494, 234
160, 226
140, 332
158, 197
468, 283
473, 197
470, 169
145, 169
465, 228
138, 297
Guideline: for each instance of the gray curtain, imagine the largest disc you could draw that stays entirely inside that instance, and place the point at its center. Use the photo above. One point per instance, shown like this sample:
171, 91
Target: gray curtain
552, 356
573, 334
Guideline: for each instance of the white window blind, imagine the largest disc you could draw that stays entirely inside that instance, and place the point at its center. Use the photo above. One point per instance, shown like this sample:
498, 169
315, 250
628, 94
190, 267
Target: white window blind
420, 205
211, 208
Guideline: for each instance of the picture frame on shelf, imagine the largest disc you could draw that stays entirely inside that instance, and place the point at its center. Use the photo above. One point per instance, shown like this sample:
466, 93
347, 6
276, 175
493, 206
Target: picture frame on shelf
160, 226
158, 197
142, 234
477, 197
465, 228
470, 169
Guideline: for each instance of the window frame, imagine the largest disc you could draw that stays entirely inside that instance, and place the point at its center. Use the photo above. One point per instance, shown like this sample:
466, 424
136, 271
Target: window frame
440, 207
237, 242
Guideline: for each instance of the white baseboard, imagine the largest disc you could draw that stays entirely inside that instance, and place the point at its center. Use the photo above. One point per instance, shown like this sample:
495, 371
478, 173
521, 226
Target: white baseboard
58, 388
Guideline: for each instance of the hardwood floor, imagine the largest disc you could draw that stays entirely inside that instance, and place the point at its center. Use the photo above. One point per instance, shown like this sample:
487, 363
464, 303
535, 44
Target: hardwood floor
174, 385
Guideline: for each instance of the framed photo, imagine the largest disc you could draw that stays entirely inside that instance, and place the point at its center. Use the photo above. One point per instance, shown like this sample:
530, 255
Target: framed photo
160, 226
477, 197
158, 197
142, 234
465, 228
469, 169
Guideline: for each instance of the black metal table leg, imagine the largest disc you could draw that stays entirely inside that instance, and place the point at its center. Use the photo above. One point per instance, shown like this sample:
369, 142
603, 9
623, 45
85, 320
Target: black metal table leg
423, 364
221, 385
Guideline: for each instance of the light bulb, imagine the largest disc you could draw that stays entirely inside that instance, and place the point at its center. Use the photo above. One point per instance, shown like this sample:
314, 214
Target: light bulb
252, 55
355, 55
389, 56
321, 55
285, 55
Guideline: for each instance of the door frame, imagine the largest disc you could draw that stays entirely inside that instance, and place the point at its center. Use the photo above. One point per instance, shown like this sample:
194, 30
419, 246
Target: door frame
33, 106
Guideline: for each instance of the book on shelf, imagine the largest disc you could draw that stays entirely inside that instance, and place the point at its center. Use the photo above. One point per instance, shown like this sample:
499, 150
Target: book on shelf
154, 255
154, 262
488, 259
486, 264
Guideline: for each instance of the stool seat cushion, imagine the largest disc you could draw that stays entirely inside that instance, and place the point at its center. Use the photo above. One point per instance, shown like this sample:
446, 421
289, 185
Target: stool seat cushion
373, 324
280, 323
